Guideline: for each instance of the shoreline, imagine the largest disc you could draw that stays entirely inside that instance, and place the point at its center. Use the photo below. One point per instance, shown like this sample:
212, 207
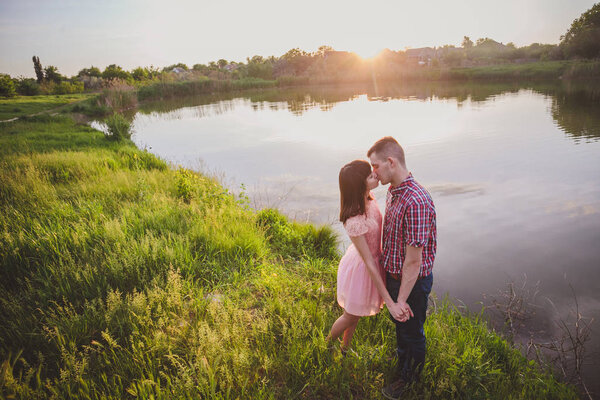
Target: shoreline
159, 281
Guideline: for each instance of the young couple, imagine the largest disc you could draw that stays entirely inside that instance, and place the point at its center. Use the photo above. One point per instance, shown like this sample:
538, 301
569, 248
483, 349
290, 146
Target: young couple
387, 263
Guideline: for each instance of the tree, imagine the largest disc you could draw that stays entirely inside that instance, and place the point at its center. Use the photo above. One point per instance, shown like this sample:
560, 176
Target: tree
297, 60
51, 74
222, 63
323, 49
583, 37
113, 71
202, 68
258, 67
91, 71
178, 65
140, 74
485, 41
39, 71
467, 43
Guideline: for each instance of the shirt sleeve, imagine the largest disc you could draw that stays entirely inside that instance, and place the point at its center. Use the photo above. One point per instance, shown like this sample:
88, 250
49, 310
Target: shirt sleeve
417, 224
356, 226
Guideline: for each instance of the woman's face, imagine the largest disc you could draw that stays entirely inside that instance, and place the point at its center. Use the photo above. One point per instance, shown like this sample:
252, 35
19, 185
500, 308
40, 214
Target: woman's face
372, 181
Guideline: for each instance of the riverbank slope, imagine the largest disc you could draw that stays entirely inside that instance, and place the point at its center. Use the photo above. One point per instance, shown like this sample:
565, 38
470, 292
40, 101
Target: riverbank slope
124, 277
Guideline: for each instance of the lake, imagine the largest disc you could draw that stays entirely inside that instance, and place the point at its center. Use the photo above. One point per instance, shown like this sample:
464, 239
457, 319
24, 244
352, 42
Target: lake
514, 171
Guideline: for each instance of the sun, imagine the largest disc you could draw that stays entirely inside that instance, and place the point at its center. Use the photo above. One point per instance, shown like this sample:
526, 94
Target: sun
368, 52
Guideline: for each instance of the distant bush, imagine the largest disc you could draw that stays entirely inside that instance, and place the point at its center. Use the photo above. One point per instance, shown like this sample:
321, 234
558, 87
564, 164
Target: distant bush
63, 87
28, 87
119, 127
7, 86
68, 87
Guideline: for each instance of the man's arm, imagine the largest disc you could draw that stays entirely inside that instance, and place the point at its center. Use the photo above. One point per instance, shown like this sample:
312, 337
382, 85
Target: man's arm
398, 312
410, 273
417, 222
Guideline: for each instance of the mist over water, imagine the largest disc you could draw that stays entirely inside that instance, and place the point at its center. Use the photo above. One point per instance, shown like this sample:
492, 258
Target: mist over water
514, 172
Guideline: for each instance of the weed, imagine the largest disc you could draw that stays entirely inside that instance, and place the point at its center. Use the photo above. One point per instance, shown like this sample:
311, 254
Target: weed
118, 127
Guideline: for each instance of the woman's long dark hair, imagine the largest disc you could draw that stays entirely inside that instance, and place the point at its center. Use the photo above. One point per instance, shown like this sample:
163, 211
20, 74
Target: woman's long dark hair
353, 187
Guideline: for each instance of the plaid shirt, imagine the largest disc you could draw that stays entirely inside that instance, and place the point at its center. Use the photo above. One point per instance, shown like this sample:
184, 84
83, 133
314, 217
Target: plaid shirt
409, 220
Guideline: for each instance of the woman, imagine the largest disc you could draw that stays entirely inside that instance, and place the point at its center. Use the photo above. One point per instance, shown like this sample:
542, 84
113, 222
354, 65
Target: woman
360, 280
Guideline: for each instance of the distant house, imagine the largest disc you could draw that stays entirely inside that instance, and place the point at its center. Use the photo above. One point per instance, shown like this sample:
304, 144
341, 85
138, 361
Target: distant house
230, 67
422, 56
178, 70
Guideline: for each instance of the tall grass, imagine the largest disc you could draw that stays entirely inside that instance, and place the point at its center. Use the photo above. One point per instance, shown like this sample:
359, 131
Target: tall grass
123, 278
199, 86
118, 127
118, 98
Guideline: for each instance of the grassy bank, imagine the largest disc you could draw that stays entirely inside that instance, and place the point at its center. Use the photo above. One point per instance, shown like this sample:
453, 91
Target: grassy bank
122, 277
26, 105
200, 86
527, 72
549, 70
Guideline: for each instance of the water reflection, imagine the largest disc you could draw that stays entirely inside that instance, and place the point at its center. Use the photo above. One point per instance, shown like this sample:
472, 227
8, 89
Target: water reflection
576, 110
575, 106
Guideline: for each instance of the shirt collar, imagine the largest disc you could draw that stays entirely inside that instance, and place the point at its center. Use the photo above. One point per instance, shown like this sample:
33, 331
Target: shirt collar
397, 191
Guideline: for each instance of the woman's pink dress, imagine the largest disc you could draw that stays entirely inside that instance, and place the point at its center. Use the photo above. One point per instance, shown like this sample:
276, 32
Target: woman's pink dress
356, 292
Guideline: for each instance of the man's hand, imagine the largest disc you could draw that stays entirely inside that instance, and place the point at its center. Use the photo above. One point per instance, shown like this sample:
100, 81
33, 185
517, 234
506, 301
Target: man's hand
406, 310
400, 311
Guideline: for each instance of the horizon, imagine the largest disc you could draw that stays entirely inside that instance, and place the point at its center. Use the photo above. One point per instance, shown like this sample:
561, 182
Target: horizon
73, 35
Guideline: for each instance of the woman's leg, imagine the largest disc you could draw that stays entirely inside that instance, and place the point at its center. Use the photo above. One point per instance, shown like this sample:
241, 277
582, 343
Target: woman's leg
340, 326
348, 335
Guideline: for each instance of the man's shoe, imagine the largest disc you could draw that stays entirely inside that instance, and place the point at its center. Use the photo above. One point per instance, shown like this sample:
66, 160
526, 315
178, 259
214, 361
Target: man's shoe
395, 389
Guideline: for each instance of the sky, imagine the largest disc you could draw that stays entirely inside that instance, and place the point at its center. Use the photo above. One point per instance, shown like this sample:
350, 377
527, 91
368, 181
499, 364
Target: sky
75, 34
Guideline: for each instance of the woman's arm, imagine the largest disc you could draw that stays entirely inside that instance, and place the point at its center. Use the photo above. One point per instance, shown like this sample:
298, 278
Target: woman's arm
398, 312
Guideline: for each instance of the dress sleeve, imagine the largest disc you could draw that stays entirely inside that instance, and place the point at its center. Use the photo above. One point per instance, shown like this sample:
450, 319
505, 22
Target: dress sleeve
417, 226
356, 226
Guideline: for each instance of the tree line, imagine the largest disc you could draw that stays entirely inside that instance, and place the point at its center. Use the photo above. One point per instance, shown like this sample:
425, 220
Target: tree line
581, 41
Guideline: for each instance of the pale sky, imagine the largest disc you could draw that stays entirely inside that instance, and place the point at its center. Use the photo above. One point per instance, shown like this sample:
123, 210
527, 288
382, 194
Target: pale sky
74, 34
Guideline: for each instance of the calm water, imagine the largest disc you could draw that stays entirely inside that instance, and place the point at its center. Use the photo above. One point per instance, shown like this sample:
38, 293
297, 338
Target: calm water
514, 172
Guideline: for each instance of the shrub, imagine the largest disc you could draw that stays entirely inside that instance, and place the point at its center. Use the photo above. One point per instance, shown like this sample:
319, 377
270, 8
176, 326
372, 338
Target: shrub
291, 239
28, 87
119, 127
7, 86
118, 97
185, 185
68, 87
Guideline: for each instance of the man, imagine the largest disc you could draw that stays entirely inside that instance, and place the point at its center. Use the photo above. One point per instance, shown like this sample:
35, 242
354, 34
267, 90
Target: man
408, 251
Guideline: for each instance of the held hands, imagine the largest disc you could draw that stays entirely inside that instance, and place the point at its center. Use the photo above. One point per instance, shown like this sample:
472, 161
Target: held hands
401, 311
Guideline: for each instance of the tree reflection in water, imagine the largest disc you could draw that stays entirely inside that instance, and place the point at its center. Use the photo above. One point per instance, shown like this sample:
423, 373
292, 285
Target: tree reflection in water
575, 105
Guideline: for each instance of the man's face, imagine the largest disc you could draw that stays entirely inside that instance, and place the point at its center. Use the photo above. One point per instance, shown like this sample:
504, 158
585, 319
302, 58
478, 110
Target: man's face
381, 168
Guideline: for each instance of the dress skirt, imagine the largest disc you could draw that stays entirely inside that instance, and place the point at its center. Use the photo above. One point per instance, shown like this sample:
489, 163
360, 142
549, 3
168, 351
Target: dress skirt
356, 292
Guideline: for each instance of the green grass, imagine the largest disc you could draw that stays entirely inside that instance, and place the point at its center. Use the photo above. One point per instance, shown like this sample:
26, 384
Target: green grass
122, 277
529, 71
26, 105
199, 86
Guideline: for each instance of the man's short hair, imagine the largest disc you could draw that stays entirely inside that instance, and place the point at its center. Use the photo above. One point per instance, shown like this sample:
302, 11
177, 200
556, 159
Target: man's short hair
388, 147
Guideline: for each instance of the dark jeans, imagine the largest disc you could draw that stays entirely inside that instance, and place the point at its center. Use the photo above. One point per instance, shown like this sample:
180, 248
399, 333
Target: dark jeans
410, 337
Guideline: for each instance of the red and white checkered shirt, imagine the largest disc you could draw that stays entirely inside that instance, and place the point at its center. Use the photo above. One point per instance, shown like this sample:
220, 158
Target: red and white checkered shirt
409, 220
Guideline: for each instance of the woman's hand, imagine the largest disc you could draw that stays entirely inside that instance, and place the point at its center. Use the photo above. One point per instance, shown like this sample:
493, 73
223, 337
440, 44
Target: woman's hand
400, 310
